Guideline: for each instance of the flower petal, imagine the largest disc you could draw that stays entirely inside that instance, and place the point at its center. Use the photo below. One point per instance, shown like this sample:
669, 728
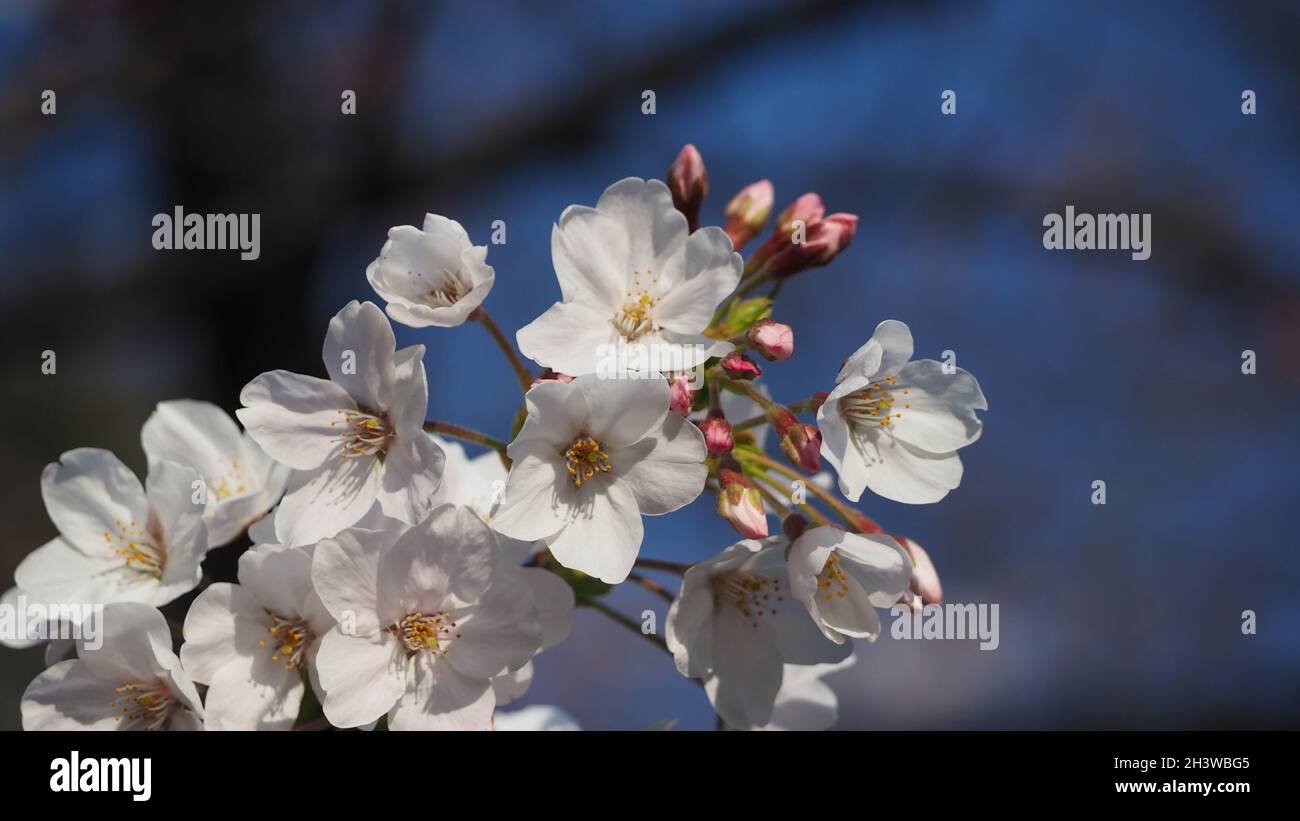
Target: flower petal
294, 418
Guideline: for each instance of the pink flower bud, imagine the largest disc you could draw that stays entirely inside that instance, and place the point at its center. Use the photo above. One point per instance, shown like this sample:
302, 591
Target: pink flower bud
717, 435
747, 212
802, 444
925, 578
739, 366
808, 209
682, 393
688, 180
549, 375
741, 505
774, 340
823, 241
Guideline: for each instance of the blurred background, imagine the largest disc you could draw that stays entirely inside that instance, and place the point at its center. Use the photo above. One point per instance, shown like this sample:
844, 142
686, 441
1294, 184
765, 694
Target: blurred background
1096, 366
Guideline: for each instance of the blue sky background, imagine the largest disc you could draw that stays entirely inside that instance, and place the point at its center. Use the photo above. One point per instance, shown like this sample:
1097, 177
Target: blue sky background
1095, 366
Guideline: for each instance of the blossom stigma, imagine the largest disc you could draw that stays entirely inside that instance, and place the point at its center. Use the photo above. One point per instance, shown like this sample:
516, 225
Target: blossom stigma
585, 458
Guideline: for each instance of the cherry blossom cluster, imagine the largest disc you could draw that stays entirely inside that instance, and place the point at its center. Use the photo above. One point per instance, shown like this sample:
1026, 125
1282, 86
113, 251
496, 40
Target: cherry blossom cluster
393, 581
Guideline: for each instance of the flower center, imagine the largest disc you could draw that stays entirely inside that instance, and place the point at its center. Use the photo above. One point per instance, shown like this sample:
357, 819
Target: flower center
448, 290
755, 595
873, 406
141, 548
585, 459
289, 640
144, 706
230, 483
832, 582
366, 434
634, 319
432, 633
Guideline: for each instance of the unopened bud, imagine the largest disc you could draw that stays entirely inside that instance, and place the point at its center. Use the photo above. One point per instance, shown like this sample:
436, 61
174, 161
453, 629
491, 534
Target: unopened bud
717, 435
773, 340
748, 212
682, 394
688, 180
793, 526
738, 366
741, 505
802, 444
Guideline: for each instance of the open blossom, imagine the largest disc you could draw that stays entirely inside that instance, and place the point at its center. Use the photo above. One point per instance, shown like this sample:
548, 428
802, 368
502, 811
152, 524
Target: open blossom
592, 458
841, 578
434, 276
425, 622
355, 437
243, 483
638, 287
736, 626
117, 541
251, 642
126, 679
895, 425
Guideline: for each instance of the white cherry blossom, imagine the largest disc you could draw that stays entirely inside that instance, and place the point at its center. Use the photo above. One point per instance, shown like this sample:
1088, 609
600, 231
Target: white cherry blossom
434, 276
252, 642
354, 438
736, 626
593, 457
841, 578
632, 278
425, 623
894, 425
243, 483
126, 679
117, 541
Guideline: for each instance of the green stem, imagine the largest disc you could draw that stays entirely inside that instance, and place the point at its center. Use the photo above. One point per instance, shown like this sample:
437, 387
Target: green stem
651, 585
522, 372
814, 515
850, 516
466, 434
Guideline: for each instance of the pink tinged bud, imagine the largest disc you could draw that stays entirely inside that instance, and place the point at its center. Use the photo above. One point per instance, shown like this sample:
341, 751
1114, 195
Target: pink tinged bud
717, 435
688, 180
823, 241
741, 505
774, 340
682, 393
802, 445
549, 375
739, 366
747, 212
925, 578
808, 209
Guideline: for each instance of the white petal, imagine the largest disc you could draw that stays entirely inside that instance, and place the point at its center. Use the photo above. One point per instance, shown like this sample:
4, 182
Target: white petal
268, 697
603, 531
345, 573
222, 627
534, 718
656, 231
938, 409
499, 633
570, 337
68, 696
358, 353
362, 678
447, 557
665, 470
553, 598
747, 673
622, 411
319, 504
712, 273
171, 490
135, 644
534, 501
88, 492
412, 471
590, 252
437, 697
294, 418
